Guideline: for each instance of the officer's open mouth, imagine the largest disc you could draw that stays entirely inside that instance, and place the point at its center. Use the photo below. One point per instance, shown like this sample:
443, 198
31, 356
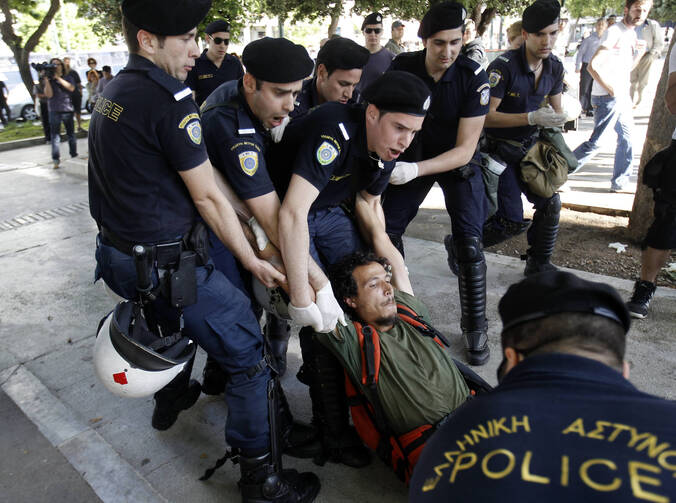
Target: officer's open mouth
277, 120
395, 153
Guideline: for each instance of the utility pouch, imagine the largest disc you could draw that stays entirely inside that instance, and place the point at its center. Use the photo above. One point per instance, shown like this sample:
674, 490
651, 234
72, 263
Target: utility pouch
464, 172
183, 281
198, 241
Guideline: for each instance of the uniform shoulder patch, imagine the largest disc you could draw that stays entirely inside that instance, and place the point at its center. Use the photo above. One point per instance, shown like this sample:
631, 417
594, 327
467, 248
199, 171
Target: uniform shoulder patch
248, 161
484, 91
326, 153
494, 77
184, 121
194, 130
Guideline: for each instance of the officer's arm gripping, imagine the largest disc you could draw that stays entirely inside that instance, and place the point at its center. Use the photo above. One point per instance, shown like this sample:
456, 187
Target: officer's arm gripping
501, 119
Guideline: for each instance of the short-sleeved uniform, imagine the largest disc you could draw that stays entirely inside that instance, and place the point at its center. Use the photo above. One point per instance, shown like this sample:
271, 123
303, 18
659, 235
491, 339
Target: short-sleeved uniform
559, 428
145, 130
205, 77
461, 92
307, 99
512, 80
327, 147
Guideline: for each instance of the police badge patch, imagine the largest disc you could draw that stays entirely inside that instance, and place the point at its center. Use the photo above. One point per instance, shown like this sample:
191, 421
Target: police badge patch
494, 78
194, 130
249, 162
326, 153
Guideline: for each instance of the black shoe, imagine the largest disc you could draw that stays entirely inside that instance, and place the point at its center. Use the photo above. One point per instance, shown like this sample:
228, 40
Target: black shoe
213, 378
166, 413
640, 300
533, 266
301, 441
347, 449
476, 347
263, 482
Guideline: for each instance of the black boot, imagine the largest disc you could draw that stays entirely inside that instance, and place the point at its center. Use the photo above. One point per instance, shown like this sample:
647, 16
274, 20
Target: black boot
472, 289
326, 379
277, 332
213, 378
180, 394
498, 229
542, 238
264, 481
299, 440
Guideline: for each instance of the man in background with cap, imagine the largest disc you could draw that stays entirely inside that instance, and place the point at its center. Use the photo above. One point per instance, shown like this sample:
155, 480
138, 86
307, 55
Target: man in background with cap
564, 424
214, 66
149, 181
395, 45
526, 86
446, 152
337, 157
338, 70
380, 58
619, 52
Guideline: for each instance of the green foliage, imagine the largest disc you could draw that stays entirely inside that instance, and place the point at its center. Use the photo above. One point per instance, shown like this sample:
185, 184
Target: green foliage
597, 8
664, 10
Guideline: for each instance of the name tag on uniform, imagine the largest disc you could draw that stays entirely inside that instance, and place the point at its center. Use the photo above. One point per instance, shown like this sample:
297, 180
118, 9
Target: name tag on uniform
205, 76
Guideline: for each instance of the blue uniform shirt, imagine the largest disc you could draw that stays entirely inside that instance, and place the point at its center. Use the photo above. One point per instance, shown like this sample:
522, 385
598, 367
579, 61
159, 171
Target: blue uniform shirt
236, 141
144, 130
559, 428
205, 77
512, 80
307, 99
461, 92
327, 147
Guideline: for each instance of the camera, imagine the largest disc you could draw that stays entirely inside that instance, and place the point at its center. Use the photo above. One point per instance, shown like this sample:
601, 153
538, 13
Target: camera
48, 68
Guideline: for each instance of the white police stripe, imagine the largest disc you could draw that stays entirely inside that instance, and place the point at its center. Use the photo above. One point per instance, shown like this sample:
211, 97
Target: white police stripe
182, 94
246, 131
344, 131
476, 72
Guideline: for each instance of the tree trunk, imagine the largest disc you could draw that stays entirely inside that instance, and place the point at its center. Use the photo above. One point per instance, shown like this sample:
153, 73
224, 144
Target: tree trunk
14, 42
486, 17
658, 137
335, 18
475, 14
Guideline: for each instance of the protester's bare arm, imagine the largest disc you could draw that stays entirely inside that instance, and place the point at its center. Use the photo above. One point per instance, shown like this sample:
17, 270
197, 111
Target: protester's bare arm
599, 69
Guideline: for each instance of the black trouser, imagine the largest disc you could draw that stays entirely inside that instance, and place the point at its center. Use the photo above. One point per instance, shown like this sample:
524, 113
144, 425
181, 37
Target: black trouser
44, 117
586, 81
5, 113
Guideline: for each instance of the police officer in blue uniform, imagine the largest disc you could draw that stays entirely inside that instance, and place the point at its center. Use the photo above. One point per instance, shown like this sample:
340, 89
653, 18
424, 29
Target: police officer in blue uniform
564, 424
522, 82
149, 181
214, 66
339, 67
446, 152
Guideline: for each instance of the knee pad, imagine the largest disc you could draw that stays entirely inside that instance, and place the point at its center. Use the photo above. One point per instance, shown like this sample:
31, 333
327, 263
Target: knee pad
553, 206
468, 249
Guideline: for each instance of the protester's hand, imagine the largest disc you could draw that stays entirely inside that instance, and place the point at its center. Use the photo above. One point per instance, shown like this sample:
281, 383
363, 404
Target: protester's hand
266, 273
329, 308
546, 117
403, 172
308, 316
277, 132
258, 232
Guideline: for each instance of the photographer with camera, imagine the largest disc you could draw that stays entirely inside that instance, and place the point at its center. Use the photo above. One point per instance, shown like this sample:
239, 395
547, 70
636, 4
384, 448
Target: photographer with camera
58, 89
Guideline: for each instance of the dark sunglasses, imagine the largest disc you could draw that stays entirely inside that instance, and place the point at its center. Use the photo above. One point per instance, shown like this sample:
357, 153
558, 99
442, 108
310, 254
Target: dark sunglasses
373, 30
219, 40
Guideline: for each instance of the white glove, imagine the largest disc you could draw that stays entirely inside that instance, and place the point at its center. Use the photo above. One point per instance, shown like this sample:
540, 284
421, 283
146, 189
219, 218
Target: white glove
309, 316
330, 309
546, 117
258, 232
403, 172
278, 131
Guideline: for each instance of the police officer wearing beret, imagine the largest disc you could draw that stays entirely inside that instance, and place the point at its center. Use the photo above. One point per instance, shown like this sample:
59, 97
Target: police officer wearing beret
238, 118
380, 58
564, 424
446, 152
338, 153
526, 86
339, 68
149, 181
214, 66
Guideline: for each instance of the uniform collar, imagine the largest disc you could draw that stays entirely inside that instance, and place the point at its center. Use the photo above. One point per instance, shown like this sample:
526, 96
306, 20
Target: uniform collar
311, 90
422, 69
137, 62
166, 81
546, 63
559, 366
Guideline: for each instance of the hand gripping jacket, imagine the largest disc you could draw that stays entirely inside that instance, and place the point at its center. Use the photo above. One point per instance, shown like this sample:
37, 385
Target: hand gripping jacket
400, 452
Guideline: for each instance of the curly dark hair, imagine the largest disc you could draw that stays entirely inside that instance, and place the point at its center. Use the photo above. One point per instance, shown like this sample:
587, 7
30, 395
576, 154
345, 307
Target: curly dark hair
342, 281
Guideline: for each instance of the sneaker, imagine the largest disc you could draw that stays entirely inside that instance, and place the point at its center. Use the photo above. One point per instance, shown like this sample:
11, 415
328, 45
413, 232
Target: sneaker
640, 299
56, 164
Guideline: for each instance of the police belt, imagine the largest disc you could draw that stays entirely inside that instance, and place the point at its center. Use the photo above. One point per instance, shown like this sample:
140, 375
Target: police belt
163, 254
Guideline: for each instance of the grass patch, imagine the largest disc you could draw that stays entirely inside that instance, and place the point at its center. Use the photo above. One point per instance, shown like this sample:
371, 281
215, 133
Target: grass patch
32, 129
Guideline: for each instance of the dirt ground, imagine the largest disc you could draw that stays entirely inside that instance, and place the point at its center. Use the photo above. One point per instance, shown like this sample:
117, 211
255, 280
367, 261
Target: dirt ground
583, 244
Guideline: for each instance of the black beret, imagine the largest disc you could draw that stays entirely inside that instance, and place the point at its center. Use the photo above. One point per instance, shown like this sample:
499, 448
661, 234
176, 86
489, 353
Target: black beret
397, 91
342, 54
216, 26
547, 293
373, 18
442, 16
540, 14
277, 60
165, 18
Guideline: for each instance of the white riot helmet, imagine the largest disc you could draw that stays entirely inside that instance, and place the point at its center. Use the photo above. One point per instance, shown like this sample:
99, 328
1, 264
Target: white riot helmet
273, 300
132, 361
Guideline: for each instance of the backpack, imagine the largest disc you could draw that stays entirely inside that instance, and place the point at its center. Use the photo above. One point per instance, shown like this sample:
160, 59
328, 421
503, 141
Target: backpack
401, 452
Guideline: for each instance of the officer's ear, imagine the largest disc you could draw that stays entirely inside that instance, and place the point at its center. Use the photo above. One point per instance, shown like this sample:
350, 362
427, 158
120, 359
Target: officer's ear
512, 358
322, 73
249, 83
147, 42
372, 113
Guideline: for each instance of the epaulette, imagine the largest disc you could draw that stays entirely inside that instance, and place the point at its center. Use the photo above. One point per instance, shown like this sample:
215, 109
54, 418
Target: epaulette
177, 89
405, 60
468, 63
